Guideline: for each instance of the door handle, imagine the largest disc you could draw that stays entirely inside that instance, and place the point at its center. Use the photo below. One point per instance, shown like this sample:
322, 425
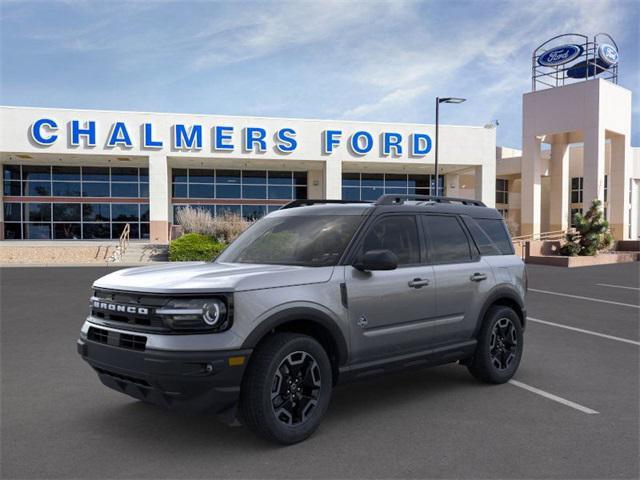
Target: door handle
418, 283
478, 277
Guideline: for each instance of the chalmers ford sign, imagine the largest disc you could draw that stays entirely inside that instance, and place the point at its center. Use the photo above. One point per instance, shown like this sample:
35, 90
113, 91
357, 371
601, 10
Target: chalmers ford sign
222, 138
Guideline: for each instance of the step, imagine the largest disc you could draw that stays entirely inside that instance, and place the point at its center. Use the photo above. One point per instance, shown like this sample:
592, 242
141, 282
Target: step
139, 253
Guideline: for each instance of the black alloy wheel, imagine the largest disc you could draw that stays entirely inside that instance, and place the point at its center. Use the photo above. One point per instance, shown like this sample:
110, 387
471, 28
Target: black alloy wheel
287, 387
500, 346
296, 388
504, 343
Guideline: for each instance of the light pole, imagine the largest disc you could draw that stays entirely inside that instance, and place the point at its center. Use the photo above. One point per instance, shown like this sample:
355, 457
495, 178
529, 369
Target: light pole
438, 102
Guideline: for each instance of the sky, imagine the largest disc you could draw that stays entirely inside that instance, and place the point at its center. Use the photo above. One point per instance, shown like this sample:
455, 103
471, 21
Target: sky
344, 60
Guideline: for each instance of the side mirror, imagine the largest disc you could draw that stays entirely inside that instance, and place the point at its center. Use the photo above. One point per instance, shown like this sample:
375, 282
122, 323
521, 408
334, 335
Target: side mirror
377, 260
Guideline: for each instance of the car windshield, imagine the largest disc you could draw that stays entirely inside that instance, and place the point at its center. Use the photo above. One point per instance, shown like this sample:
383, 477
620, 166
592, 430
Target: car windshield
310, 241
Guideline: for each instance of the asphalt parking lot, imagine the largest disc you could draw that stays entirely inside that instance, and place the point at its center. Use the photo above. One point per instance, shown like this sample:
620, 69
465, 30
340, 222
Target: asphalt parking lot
573, 411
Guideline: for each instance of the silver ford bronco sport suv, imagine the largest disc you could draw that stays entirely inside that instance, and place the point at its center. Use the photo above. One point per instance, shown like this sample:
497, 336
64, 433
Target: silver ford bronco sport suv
316, 293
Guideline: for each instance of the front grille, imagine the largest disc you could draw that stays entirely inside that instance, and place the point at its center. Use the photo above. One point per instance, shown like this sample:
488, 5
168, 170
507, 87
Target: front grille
117, 339
133, 342
128, 310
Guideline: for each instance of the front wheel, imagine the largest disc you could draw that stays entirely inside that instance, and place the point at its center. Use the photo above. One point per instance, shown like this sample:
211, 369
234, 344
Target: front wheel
500, 344
287, 388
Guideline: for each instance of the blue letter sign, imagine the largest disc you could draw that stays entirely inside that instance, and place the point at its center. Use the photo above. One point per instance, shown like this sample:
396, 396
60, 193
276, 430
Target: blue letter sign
286, 140
357, 147
421, 144
119, 136
192, 139
255, 136
36, 131
391, 140
89, 131
147, 138
222, 136
330, 140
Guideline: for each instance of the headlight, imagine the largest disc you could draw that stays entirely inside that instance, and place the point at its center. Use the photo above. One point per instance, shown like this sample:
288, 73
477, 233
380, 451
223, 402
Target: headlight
209, 314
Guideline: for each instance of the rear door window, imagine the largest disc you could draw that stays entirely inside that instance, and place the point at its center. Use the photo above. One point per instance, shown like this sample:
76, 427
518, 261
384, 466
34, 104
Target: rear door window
497, 232
397, 233
448, 241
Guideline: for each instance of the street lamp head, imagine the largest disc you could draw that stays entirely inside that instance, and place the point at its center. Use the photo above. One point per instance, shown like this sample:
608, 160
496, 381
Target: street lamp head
451, 100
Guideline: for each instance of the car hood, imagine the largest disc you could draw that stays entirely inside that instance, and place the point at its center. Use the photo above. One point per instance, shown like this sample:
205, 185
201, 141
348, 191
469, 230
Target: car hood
194, 277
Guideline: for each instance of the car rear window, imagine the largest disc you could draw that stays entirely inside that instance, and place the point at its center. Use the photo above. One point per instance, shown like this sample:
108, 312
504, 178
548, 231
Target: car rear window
485, 245
497, 232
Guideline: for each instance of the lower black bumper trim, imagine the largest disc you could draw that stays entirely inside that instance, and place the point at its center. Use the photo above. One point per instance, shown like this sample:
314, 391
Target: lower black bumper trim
194, 381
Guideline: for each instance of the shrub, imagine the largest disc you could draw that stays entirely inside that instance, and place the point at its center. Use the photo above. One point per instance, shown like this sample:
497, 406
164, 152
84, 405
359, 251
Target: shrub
228, 226
224, 228
591, 235
194, 247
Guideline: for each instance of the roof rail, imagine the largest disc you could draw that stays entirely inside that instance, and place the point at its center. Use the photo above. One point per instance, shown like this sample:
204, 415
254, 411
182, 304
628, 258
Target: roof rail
309, 202
395, 199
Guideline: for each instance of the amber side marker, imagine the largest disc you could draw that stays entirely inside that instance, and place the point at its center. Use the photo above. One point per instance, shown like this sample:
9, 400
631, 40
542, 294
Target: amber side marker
236, 361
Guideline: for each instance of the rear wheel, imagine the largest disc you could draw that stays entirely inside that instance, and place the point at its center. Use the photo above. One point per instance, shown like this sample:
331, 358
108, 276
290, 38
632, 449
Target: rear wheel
287, 388
500, 344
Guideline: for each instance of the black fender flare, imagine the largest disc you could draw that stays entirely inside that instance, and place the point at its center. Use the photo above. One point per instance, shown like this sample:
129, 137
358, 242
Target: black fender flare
307, 314
502, 292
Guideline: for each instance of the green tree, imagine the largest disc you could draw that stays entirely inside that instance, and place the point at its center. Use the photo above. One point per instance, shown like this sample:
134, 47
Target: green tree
592, 233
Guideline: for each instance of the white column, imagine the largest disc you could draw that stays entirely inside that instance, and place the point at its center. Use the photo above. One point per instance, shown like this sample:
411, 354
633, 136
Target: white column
593, 167
485, 183
159, 198
531, 186
559, 205
315, 179
332, 179
618, 188
452, 185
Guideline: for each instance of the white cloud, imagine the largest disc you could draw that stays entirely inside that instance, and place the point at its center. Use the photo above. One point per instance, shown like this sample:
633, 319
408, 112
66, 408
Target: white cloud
487, 56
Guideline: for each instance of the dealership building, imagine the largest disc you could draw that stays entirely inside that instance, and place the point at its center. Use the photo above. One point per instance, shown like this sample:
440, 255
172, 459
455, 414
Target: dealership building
86, 174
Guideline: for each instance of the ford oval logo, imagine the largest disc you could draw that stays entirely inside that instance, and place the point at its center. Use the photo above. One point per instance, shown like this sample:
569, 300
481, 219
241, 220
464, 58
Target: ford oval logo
560, 55
608, 54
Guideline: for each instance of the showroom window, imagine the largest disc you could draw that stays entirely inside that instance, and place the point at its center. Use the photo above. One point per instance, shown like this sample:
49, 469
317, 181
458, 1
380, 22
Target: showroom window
205, 187
576, 190
369, 186
63, 213
74, 221
63, 181
502, 190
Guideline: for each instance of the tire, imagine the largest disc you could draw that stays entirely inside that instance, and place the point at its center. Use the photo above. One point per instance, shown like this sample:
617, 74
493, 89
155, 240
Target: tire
500, 345
297, 369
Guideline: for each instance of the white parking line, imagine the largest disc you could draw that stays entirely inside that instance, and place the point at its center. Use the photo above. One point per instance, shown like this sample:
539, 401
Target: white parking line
585, 298
616, 286
589, 332
553, 397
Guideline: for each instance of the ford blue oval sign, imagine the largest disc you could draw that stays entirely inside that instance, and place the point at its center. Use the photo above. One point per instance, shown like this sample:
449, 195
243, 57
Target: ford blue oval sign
560, 55
608, 54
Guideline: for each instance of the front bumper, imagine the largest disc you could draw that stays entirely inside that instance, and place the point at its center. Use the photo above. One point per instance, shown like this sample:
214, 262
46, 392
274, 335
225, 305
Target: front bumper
204, 381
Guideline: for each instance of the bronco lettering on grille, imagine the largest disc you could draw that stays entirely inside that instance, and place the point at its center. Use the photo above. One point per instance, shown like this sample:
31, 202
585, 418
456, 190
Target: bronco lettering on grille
113, 307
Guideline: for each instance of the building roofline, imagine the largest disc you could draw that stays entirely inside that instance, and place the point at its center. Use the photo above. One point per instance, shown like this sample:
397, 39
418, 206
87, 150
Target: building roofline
18, 107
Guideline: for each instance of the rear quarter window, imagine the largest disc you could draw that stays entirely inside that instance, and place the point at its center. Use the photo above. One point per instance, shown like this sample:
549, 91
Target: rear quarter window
496, 230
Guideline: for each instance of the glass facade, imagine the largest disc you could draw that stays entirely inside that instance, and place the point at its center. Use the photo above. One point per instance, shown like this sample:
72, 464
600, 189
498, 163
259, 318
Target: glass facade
218, 190
369, 186
77, 202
